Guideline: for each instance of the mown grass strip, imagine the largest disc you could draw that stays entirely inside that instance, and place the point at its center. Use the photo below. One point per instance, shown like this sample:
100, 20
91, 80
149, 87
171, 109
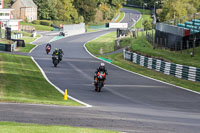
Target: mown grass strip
13, 127
22, 81
137, 45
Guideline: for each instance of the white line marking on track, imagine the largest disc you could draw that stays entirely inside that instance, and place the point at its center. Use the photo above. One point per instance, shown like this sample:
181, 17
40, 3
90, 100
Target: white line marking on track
142, 86
42, 105
33, 48
43, 73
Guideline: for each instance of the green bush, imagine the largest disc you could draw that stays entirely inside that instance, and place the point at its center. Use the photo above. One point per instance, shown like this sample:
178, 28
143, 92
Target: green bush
147, 25
36, 22
45, 22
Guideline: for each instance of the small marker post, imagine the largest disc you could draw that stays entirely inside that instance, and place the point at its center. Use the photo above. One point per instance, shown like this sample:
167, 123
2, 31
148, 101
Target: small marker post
65, 96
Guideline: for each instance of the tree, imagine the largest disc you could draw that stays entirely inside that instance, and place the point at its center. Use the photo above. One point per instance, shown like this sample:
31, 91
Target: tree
86, 8
46, 8
173, 9
67, 12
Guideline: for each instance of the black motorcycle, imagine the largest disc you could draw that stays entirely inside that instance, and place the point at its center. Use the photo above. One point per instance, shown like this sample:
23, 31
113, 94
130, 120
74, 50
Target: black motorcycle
55, 60
99, 81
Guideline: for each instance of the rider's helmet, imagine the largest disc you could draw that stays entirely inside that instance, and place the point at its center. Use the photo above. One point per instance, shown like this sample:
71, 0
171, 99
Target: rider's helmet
102, 67
56, 51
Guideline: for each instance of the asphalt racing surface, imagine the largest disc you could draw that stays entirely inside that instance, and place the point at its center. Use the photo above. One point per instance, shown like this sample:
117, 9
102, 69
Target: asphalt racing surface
128, 102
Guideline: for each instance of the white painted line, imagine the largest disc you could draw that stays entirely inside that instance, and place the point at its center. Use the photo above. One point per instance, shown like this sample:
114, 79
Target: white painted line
43, 73
37, 39
42, 105
33, 48
138, 73
34, 44
122, 18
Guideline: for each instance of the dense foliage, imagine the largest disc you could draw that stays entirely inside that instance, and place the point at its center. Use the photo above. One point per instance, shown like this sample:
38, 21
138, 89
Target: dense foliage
170, 9
76, 11
178, 9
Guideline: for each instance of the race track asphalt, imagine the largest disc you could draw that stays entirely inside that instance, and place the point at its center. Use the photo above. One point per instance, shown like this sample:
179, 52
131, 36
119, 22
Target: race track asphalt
128, 102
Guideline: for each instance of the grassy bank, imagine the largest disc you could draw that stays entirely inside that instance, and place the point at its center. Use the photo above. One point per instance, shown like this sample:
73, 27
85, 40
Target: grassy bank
38, 27
177, 57
22, 81
12, 127
137, 45
104, 45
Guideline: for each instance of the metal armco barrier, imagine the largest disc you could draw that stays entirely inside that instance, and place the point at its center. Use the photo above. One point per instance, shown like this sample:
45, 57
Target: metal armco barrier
177, 70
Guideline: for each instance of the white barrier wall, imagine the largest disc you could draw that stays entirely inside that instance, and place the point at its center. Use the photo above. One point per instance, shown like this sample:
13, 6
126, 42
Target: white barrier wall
74, 29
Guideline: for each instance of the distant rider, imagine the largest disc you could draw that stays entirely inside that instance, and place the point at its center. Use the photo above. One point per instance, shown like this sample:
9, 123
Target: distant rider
48, 45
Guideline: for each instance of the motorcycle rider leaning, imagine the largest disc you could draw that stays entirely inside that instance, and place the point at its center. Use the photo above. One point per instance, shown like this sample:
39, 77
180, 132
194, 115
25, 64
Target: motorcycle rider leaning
100, 69
55, 52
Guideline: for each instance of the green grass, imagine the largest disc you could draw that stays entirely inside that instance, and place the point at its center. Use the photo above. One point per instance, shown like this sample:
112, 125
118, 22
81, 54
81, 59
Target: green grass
26, 49
117, 59
13, 127
146, 15
177, 57
38, 27
22, 81
106, 43
29, 46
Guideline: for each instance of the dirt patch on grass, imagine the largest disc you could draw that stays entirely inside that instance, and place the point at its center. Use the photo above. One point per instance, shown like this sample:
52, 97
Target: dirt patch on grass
101, 50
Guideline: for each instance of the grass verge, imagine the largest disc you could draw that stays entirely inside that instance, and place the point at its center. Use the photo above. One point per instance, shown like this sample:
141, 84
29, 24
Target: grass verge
38, 27
29, 46
103, 44
22, 81
136, 44
13, 127
177, 57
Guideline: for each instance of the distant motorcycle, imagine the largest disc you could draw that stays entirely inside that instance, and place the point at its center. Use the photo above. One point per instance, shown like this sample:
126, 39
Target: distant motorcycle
55, 60
48, 49
99, 81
